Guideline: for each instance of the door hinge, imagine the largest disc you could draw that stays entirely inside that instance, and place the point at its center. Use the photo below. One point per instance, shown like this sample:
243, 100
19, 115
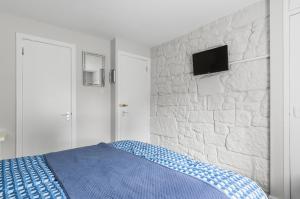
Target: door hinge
23, 51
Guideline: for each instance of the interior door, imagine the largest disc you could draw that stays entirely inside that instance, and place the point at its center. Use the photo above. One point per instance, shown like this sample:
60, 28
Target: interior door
294, 4
133, 98
46, 98
295, 105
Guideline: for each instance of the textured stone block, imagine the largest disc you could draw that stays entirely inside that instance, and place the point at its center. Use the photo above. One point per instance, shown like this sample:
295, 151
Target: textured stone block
265, 106
196, 155
191, 143
193, 98
252, 13
180, 113
153, 107
238, 96
154, 139
203, 128
185, 129
163, 111
211, 153
215, 102
226, 116
258, 44
164, 89
252, 107
183, 99
154, 90
179, 89
255, 96
249, 76
169, 142
164, 126
167, 100
236, 160
260, 121
221, 128
251, 141
177, 69
214, 139
180, 80
229, 103
238, 42
209, 86
164, 72
201, 103
243, 118
262, 173
201, 116
192, 87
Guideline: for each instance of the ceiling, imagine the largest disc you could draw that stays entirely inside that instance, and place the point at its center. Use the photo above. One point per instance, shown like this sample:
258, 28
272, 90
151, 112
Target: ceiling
148, 22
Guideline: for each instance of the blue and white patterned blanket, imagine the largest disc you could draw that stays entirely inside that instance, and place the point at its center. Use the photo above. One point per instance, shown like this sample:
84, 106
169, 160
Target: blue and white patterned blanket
30, 177
230, 183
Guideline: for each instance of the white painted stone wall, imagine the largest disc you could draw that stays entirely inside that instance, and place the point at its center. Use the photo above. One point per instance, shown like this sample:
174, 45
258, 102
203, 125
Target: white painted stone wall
222, 118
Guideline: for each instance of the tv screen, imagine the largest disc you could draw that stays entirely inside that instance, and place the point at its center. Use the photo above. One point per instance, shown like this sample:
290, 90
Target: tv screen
211, 61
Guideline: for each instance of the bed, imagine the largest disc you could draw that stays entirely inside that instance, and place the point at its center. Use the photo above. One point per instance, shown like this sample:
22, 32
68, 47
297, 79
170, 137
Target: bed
121, 170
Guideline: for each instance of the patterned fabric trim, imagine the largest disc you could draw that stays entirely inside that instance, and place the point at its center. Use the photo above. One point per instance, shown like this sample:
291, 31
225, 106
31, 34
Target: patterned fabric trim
28, 177
230, 183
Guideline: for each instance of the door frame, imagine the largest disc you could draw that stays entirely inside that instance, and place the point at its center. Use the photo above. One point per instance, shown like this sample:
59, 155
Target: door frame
148, 60
20, 37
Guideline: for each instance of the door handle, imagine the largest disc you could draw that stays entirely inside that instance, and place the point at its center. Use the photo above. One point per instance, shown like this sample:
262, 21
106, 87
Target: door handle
123, 105
67, 115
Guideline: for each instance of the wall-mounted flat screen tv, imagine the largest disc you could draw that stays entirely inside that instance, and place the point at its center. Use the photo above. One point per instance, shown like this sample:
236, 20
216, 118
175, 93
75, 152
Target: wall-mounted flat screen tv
211, 61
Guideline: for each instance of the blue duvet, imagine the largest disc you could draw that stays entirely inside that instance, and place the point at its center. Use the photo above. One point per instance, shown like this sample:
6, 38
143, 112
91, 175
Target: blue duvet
125, 169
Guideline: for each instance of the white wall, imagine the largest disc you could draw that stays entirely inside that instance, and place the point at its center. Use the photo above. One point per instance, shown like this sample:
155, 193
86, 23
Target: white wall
132, 47
93, 104
224, 118
279, 163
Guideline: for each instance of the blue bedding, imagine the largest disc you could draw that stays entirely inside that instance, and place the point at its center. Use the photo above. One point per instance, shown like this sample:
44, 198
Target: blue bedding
103, 171
125, 169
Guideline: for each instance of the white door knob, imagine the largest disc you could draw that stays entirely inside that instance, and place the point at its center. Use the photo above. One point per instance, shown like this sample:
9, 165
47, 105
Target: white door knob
67, 115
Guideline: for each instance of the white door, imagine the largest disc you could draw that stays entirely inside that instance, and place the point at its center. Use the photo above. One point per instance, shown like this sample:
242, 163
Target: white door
294, 4
46, 98
133, 97
295, 105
